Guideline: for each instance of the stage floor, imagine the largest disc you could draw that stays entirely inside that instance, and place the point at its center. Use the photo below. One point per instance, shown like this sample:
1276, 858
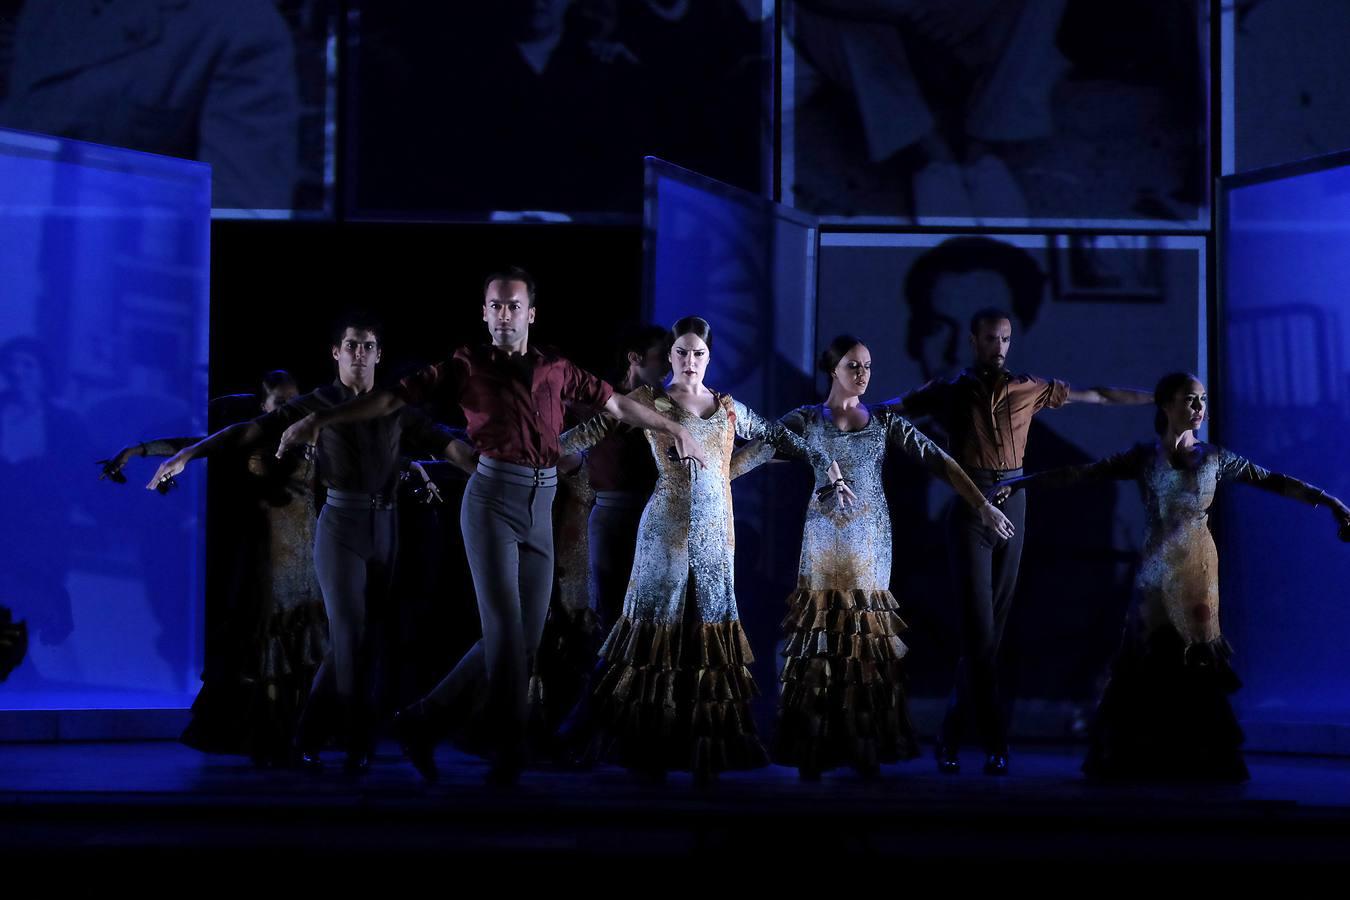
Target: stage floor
101, 800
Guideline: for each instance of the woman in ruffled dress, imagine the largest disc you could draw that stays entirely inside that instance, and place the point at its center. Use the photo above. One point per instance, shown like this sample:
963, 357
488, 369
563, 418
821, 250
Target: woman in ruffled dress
1165, 713
675, 687
843, 699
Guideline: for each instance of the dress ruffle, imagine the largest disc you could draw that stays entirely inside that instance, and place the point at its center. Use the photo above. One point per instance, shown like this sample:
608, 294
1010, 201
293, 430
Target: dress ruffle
562, 672
255, 711
677, 697
1165, 714
843, 699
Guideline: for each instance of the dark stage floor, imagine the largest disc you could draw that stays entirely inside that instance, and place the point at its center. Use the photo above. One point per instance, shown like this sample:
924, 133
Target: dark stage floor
124, 801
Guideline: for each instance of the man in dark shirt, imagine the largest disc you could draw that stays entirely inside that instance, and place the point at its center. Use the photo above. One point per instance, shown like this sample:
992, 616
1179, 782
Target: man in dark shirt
356, 539
513, 396
986, 411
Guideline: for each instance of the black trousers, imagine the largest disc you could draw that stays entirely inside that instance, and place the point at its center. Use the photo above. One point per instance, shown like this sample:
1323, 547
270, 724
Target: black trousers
984, 570
354, 550
612, 540
507, 521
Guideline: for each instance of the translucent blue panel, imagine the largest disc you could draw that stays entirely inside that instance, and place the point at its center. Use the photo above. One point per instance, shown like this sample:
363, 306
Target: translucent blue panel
746, 265
1285, 403
104, 261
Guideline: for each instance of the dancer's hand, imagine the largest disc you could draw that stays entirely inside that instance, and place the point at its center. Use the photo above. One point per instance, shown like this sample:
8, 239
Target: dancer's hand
304, 433
994, 519
168, 470
1342, 515
688, 450
112, 468
843, 494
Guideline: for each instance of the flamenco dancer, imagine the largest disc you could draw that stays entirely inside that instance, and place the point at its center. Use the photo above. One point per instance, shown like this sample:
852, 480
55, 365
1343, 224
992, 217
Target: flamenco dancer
1165, 713
275, 632
513, 396
675, 685
986, 411
843, 700
355, 539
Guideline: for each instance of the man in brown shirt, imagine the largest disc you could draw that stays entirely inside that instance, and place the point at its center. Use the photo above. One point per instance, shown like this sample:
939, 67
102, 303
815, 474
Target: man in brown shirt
986, 411
513, 395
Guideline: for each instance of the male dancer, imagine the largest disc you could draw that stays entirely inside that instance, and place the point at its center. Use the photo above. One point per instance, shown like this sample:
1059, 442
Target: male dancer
513, 396
986, 411
356, 539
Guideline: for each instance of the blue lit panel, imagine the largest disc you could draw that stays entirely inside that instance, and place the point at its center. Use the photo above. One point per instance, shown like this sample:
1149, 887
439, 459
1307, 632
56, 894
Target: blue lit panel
1285, 403
104, 255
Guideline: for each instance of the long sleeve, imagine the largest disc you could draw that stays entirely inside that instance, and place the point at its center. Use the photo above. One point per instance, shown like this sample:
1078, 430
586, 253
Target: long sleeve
583, 437
1122, 466
757, 452
168, 446
1238, 468
751, 426
903, 436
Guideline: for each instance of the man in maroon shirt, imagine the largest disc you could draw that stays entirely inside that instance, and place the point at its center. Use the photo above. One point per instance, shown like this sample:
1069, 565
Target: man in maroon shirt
513, 396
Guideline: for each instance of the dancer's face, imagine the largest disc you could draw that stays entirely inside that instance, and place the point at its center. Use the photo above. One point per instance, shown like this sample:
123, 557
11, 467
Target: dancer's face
955, 298
651, 367
279, 396
508, 312
991, 340
1188, 408
854, 371
688, 360
356, 357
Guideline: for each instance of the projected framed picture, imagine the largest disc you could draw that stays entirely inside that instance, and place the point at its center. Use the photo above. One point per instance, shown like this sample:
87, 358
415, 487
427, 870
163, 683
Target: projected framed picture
1041, 114
543, 111
246, 86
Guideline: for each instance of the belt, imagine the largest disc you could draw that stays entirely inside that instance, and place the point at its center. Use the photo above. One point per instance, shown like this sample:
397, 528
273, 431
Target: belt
621, 499
511, 473
357, 500
992, 476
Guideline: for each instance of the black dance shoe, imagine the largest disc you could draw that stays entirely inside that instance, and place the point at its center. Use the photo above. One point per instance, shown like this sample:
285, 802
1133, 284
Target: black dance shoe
416, 739
948, 759
357, 763
996, 763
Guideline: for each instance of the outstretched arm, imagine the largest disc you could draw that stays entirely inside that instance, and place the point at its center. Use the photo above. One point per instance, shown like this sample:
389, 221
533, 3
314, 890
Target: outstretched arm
751, 456
902, 435
1117, 467
1110, 396
1239, 468
630, 412
112, 467
235, 437
370, 405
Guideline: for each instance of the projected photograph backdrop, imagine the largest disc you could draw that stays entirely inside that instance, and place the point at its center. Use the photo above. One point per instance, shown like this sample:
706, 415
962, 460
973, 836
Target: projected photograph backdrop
962, 112
1100, 310
103, 343
246, 86
1285, 403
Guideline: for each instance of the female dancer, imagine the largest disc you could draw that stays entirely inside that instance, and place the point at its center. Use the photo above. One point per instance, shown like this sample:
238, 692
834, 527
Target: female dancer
1165, 712
675, 683
275, 629
843, 698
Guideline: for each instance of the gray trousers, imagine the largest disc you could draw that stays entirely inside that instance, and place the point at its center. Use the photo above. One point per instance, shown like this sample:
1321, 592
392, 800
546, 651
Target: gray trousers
507, 522
984, 569
354, 552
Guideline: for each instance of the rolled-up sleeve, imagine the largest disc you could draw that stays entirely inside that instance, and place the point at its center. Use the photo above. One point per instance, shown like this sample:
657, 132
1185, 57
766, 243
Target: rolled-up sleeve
1051, 393
438, 380
580, 386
